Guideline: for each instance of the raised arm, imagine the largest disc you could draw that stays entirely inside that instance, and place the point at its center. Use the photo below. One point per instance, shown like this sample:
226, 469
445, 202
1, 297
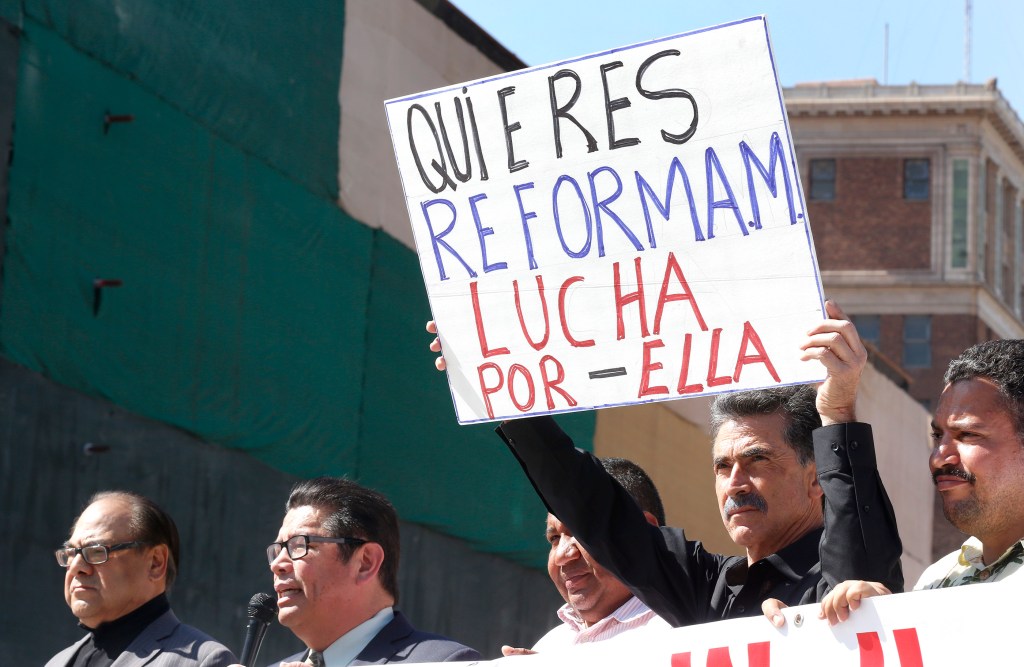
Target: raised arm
667, 572
861, 540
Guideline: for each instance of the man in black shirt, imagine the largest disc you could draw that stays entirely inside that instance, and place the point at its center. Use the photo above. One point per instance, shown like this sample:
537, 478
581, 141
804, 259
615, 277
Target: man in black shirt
121, 558
805, 527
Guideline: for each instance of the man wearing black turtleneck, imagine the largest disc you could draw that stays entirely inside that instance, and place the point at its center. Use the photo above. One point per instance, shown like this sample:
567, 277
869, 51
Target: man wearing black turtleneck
121, 558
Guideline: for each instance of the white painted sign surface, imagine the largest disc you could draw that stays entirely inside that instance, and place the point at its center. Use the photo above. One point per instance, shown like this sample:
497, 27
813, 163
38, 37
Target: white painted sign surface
619, 228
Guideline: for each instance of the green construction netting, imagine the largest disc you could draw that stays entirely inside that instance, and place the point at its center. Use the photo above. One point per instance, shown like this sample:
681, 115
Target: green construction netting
253, 312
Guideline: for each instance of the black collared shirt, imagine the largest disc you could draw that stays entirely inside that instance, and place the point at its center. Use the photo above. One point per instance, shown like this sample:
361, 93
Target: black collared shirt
109, 640
680, 580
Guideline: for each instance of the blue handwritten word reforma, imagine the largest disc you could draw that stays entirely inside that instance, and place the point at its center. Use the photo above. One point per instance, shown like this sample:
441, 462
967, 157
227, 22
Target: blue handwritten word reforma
595, 204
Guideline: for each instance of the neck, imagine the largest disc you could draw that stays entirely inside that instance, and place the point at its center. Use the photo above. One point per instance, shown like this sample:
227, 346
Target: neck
756, 552
993, 548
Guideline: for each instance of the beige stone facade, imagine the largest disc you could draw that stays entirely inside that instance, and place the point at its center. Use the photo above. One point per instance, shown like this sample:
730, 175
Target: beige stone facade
933, 269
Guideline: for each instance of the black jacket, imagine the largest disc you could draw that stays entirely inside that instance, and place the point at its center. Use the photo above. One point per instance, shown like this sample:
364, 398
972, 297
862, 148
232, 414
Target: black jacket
676, 577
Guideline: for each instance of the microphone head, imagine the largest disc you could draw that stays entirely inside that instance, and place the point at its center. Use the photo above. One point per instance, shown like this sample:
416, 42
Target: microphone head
263, 607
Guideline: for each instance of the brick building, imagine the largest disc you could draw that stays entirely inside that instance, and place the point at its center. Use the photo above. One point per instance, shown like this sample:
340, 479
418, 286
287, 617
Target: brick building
915, 195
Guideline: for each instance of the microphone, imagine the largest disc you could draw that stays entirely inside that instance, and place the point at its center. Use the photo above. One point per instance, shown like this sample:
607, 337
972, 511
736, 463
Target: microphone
262, 610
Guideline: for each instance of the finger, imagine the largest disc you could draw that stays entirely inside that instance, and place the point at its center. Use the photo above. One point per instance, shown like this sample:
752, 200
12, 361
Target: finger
435, 345
772, 610
432, 327
843, 610
833, 310
439, 364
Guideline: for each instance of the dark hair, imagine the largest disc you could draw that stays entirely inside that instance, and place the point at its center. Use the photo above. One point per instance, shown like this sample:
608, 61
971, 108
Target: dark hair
354, 511
638, 484
795, 404
149, 524
1002, 363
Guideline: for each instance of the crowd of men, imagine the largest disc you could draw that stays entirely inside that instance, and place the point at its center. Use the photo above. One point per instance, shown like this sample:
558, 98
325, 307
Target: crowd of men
796, 483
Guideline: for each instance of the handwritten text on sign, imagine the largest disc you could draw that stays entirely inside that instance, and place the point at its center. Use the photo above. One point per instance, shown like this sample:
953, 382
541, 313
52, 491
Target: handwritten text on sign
619, 228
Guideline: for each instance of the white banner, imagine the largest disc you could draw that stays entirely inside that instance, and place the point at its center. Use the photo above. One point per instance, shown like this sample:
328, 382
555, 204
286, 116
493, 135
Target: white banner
968, 625
619, 228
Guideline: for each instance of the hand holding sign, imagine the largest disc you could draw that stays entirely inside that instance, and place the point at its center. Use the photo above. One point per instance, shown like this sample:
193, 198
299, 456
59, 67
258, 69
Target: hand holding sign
836, 344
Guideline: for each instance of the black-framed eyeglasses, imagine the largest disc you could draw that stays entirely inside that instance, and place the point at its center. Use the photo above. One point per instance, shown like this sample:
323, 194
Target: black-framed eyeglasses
94, 554
298, 545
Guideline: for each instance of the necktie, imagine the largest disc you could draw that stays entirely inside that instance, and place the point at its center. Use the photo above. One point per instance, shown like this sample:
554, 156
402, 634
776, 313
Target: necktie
316, 658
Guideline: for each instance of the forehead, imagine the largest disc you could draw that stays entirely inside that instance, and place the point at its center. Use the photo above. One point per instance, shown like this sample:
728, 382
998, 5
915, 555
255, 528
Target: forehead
104, 519
763, 431
972, 400
556, 526
303, 520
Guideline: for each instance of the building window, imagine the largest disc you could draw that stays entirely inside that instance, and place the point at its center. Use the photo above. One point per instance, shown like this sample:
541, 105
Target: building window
959, 239
917, 341
823, 180
870, 328
916, 179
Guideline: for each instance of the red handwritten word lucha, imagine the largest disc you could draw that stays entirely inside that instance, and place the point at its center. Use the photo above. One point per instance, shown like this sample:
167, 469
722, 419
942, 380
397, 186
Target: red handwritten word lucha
520, 384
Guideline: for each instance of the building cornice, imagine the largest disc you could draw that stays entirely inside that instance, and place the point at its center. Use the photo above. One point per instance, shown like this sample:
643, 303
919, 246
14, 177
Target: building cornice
927, 300
868, 98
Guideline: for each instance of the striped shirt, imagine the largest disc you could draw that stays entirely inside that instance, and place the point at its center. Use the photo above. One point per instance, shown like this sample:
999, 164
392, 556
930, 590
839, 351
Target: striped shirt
574, 630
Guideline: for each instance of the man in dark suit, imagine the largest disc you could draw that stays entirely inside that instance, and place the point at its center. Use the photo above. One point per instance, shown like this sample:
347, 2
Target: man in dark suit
121, 558
335, 568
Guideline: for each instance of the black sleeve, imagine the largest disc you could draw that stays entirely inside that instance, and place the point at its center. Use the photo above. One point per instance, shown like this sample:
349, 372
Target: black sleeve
861, 540
670, 574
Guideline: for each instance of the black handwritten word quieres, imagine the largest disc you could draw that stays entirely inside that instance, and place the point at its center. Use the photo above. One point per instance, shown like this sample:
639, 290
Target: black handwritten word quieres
591, 208
434, 147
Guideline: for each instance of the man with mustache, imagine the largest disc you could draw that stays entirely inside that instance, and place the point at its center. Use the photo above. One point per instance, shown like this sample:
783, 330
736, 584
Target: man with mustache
805, 528
977, 464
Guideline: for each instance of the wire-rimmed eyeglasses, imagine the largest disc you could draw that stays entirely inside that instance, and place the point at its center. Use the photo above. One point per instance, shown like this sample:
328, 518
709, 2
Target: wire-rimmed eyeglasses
298, 545
94, 554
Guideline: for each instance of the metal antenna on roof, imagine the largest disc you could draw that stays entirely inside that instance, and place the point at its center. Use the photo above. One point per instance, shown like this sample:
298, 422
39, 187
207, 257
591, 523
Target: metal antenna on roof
967, 41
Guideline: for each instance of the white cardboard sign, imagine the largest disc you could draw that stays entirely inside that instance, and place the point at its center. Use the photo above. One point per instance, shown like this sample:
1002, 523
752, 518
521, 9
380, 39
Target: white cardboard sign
618, 228
953, 627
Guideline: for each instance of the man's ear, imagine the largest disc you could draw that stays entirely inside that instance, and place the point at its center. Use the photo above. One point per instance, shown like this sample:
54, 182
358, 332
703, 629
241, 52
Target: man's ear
157, 562
651, 519
369, 557
814, 490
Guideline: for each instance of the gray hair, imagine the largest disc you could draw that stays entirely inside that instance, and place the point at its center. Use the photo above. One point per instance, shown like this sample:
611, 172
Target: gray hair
795, 404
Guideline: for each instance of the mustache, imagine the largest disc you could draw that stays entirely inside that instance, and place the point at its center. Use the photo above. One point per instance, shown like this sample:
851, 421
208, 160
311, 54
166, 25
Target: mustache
737, 502
955, 472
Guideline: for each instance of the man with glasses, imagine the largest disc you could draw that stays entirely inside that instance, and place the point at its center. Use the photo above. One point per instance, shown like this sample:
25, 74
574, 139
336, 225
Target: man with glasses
335, 566
120, 560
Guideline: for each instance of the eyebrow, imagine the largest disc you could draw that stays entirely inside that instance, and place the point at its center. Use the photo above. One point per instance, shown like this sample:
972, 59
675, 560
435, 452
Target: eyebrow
756, 450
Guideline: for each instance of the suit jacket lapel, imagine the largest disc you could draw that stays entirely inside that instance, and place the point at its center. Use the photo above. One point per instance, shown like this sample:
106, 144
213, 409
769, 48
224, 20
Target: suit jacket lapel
64, 657
145, 647
383, 647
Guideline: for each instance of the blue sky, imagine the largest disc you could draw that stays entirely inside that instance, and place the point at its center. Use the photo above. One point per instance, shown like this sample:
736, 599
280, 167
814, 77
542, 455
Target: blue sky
820, 40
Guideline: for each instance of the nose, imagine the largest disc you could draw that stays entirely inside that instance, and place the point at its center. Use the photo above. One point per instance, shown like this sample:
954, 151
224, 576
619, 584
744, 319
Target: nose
567, 550
944, 452
738, 482
282, 561
79, 564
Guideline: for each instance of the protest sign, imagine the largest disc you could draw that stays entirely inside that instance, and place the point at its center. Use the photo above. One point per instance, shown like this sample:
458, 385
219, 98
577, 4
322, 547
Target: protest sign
950, 627
618, 228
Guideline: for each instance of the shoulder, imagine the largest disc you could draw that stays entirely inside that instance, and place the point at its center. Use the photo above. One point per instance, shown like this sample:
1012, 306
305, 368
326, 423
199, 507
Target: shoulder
399, 641
436, 648
935, 573
64, 657
203, 649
